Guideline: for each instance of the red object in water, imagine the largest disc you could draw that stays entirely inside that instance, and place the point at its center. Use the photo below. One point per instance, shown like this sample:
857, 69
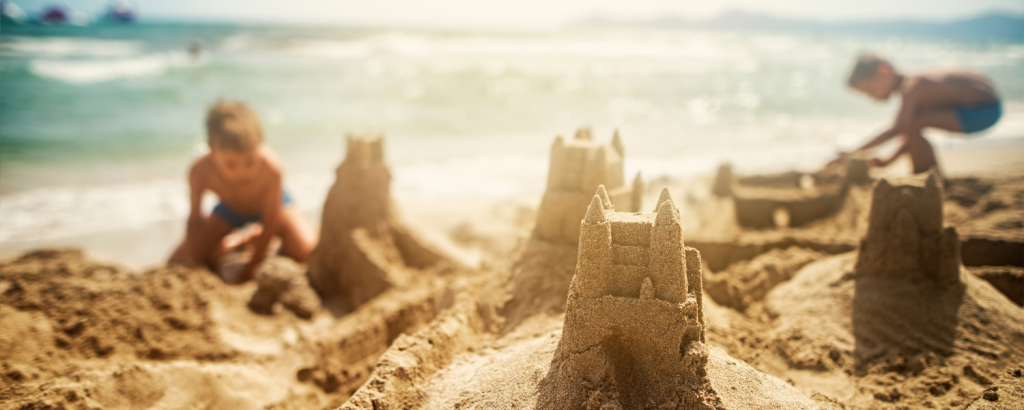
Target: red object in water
55, 15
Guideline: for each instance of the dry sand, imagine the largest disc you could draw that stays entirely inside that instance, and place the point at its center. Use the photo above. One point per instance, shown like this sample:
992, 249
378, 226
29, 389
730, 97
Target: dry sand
85, 334
795, 315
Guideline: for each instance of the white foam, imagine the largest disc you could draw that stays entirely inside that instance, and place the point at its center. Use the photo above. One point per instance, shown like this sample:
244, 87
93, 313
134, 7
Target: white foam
68, 46
333, 49
59, 212
77, 71
620, 45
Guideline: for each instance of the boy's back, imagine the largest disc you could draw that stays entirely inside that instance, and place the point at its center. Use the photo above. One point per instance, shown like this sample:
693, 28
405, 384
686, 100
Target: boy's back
948, 87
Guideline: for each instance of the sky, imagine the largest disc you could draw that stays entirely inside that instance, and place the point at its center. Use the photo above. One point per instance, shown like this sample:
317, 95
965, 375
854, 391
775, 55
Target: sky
528, 13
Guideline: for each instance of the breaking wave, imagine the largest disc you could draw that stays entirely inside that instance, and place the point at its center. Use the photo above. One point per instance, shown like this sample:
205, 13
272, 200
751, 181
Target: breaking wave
78, 71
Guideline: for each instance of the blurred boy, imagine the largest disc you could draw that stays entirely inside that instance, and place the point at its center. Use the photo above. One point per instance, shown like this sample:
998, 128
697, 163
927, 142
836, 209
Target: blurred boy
246, 176
951, 99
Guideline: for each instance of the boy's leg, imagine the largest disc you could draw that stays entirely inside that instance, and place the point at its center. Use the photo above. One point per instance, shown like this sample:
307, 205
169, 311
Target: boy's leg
921, 153
297, 239
208, 248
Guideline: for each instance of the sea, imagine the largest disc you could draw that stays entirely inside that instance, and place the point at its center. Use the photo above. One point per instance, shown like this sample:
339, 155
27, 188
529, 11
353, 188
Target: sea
98, 125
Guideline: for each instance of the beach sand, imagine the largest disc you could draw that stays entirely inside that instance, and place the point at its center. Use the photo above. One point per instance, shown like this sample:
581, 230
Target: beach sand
789, 320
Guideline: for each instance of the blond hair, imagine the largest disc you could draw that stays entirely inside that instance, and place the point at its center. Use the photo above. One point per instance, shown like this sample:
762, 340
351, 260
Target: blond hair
865, 68
233, 125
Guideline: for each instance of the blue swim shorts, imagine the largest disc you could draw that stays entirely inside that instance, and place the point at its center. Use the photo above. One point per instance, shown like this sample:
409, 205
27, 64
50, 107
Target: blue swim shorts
237, 220
979, 117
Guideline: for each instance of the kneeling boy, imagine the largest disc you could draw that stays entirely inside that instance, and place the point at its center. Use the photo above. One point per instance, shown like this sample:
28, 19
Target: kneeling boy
246, 175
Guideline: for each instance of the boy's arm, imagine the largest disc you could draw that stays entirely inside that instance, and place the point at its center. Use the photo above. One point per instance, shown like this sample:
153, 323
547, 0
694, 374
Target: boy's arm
899, 126
194, 227
875, 162
271, 223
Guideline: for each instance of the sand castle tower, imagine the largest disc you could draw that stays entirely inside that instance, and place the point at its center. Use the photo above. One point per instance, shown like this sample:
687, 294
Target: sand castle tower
634, 324
905, 235
364, 248
578, 166
722, 185
540, 274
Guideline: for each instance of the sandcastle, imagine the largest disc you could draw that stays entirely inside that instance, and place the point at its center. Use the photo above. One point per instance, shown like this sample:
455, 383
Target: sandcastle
802, 198
634, 327
577, 167
364, 248
541, 272
905, 235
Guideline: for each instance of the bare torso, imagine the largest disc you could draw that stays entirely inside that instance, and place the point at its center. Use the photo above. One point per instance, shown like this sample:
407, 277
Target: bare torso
947, 88
247, 198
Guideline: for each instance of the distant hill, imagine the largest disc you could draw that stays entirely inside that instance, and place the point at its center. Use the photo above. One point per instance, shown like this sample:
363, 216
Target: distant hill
994, 26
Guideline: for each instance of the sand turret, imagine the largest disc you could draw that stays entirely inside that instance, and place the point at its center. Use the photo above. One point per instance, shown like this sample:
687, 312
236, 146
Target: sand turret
905, 235
723, 180
542, 270
634, 326
364, 248
578, 167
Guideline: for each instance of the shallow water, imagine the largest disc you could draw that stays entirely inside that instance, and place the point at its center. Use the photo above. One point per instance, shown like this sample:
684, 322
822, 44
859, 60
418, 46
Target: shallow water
98, 125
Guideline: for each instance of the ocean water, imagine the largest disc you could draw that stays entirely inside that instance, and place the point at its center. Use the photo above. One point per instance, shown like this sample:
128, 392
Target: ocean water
99, 125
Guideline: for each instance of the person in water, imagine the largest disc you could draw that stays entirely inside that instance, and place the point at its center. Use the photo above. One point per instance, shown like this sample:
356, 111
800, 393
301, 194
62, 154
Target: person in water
247, 177
951, 99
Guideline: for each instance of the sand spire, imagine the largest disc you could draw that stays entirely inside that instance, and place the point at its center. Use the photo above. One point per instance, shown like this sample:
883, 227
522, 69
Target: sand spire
364, 248
603, 193
617, 143
595, 212
582, 134
664, 196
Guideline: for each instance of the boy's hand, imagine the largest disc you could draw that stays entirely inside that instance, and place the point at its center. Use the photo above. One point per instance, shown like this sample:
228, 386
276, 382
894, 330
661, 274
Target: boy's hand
249, 271
839, 161
875, 162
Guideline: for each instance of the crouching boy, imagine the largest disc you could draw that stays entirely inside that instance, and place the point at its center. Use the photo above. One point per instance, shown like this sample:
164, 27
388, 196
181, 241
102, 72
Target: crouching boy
246, 176
951, 99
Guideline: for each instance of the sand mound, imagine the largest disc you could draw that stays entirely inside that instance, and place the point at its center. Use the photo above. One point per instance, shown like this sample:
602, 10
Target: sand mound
538, 277
84, 334
747, 282
633, 337
283, 282
364, 248
900, 323
102, 310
